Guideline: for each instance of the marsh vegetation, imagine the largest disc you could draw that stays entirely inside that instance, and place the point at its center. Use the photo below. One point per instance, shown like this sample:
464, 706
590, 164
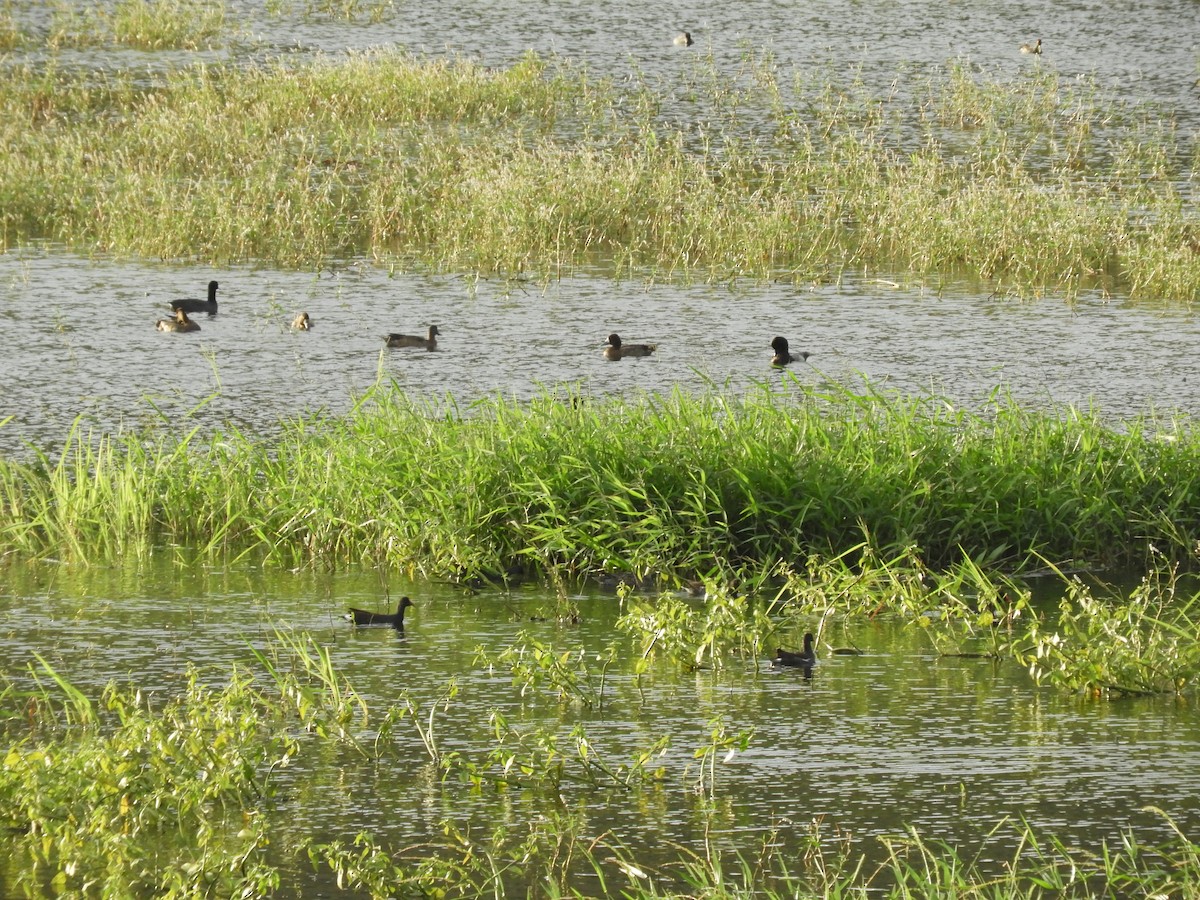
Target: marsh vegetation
680, 486
1039, 184
789, 509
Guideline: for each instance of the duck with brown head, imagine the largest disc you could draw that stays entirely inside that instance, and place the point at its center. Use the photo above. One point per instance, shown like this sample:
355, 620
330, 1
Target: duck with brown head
783, 355
302, 322
412, 340
366, 617
617, 350
192, 305
1034, 48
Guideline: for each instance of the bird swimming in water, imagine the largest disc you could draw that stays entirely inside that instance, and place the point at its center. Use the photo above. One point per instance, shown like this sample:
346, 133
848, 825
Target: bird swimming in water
366, 617
180, 322
782, 355
617, 350
805, 659
412, 340
193, 305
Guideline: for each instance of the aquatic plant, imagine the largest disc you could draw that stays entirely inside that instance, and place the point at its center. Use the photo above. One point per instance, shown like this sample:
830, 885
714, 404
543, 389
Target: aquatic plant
608, 486
308, 684
535, 665
373, 11
145, 24
696, 633
124, 793
1142, 641
968, 607
126, 796
1042, 184
544, 759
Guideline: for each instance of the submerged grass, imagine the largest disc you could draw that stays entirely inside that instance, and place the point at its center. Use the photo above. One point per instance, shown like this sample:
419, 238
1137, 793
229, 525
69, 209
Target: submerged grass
671, 485
143, 24
131, 794
1042, 183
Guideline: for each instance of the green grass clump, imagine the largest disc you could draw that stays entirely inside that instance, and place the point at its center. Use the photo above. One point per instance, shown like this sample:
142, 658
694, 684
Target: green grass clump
142, 24
1115, 643
1040, 184
661, 484
124, 797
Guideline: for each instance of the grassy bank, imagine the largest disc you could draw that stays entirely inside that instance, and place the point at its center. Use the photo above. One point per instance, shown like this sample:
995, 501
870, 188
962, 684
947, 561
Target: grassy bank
679, 484
1041, 184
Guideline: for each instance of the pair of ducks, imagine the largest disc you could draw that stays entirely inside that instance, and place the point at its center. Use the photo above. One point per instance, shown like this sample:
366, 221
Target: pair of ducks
181, 323
617, 350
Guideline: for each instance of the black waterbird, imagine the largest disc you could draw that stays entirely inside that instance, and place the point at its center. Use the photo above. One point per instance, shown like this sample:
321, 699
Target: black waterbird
366, 617
193, 305
805, 659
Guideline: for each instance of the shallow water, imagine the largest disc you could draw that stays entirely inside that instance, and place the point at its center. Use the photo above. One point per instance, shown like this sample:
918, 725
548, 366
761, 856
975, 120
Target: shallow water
871, 744
81, 343
79, 338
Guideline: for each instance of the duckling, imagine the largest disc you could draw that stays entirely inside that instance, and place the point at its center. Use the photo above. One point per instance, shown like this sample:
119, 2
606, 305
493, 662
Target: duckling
180, 323
805, 659
782, 356
302, 322
684, 39
366, 617
412, 340
196, 306
616, 350
1035, 49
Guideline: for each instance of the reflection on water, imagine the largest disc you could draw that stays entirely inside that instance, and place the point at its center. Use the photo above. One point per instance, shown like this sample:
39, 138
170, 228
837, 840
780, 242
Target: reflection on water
81, 343
872, 743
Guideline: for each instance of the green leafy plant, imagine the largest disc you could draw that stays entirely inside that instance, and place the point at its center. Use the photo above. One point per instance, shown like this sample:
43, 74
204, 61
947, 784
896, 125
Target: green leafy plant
1145, 641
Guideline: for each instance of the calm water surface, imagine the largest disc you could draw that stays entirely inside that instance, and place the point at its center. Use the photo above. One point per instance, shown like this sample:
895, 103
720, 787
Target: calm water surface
871, 744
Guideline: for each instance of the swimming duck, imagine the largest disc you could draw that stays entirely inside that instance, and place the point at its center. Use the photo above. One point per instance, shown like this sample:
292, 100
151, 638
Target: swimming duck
1035, 49
365, 617
805, 659
302, 322
782, 356
196, 306
616, 350
180, 323
412, 340
684, 39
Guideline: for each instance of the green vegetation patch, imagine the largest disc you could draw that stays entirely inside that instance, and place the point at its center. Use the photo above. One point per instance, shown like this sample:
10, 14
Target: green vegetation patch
662, 484
1040, 184
142, 24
